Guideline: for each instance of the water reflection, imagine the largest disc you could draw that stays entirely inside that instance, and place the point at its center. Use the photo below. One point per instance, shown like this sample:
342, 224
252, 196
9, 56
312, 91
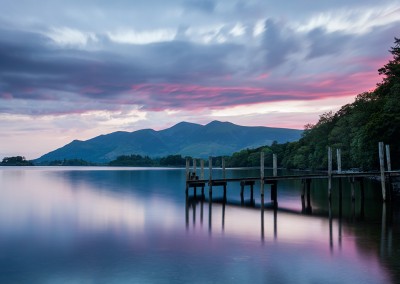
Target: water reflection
299, 226
71, 225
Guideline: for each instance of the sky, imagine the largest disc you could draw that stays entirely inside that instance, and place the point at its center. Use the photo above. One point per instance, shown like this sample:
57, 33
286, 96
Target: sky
76, 69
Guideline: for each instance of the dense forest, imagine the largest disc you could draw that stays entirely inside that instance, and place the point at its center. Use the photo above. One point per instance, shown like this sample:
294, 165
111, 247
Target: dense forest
356, 128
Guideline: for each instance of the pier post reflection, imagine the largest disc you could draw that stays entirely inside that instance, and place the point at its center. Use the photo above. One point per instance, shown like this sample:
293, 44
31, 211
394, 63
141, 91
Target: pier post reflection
330, 225
340, 220
187, 211
210, 213
201, 209
386, 231
223, 214
275, 223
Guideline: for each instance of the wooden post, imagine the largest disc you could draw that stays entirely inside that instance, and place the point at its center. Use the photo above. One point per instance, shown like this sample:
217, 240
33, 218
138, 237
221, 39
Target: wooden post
275, 165
202, 176
329, 172
187, 176
262, 172
251, 191
362, 198
194, 167
187, 169
389, 163
202, 169
210, 175
223, 168
382, 169
339, 160
308, 192
262, 179
274, 191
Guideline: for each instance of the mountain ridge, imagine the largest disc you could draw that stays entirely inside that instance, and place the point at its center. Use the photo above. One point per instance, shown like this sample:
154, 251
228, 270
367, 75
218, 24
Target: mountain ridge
185, 138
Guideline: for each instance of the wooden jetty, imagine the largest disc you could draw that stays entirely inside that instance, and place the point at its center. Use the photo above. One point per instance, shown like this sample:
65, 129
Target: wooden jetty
385, 175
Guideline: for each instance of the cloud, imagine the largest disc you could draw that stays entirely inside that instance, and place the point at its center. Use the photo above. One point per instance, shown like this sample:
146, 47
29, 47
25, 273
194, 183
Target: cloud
144, 37
207, 6
279, 42
70, 37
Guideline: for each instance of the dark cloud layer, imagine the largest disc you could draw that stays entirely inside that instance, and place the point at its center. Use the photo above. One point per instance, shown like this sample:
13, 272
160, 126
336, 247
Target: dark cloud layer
230, 67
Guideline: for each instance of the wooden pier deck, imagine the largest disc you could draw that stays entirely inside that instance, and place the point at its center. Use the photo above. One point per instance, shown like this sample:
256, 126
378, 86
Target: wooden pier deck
385, 176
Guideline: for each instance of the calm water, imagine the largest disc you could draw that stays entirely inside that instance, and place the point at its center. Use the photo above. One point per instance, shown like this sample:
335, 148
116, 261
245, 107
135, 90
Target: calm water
113, 225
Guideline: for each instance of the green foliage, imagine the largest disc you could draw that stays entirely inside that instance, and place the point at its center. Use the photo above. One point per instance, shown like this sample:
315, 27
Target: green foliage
15, 161
356, 128
133, 161
172, 160
70, 162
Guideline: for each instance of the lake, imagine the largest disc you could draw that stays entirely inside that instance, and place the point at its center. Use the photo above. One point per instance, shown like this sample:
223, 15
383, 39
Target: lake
135, 225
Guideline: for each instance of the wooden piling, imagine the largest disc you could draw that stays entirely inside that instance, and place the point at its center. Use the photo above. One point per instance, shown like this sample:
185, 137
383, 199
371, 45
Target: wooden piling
308, 193
274, 191
388, 161
210, 176
262, 179
339, 160
329, 172
275, 165
382, 169
353, 194
223, 168
194, 167
202, 169
187, 169
339, 170
262, 173
187, 176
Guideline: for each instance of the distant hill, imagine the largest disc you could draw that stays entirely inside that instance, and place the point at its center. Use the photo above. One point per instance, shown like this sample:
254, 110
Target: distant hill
188, 139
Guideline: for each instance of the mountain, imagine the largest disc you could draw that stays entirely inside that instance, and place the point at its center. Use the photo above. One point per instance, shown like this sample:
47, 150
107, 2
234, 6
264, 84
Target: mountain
187, 139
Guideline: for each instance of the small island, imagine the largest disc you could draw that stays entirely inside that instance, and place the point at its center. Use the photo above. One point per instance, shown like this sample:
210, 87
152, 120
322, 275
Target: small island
15, 161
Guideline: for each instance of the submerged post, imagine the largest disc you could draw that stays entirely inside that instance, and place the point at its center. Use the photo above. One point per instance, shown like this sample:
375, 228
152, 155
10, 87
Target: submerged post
275, 165
382, 169
389, 163
329, 172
